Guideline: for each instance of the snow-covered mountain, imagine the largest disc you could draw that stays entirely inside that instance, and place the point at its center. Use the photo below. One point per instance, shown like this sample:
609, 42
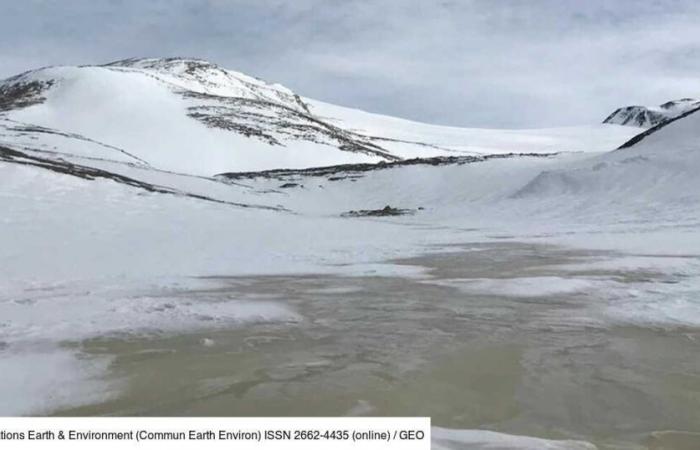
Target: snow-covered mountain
650, 116
192, 116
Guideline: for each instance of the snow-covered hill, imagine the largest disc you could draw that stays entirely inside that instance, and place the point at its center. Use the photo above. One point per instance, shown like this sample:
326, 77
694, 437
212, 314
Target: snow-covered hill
191, 116
650, 116
652, 176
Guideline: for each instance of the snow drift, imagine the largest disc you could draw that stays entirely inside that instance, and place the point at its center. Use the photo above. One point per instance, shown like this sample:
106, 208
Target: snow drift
653, 173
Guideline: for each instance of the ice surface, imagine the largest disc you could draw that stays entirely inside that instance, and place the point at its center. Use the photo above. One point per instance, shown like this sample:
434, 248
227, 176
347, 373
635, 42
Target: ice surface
37, 379
450, 439
527, 287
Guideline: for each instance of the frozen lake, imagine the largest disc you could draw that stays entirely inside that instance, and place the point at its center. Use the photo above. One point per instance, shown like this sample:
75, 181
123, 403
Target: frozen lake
517, 338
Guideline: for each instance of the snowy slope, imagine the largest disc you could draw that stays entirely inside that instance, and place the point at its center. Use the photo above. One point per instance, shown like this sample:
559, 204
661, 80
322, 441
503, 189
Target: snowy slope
649, 116
408, 138
651, 177
191, 116
174, 128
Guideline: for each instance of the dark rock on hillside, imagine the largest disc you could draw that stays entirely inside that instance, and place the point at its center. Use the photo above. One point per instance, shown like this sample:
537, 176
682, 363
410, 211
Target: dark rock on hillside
647, 117
386, 211
658, 127
352, 171
22, 94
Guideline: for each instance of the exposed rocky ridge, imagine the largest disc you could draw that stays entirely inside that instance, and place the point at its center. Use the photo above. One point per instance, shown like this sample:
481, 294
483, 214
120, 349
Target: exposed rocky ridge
642, 136
213, 79
16, 94
646, 117
274, 123
349, 170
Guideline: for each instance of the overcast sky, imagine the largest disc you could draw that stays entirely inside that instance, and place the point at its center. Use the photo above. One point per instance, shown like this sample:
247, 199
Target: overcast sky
490, 63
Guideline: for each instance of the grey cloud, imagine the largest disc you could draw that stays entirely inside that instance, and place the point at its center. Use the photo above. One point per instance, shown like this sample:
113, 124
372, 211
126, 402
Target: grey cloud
471, 63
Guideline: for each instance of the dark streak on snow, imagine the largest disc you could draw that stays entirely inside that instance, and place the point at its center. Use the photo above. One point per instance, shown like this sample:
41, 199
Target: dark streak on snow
90, 173
271, 121
653, 130
344, 171
30, 128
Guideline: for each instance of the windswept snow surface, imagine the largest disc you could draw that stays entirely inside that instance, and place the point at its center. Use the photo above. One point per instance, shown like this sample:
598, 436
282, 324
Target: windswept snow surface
413, 139
654, 178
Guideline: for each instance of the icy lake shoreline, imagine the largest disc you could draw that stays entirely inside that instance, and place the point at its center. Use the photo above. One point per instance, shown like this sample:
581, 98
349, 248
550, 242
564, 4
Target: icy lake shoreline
536, 361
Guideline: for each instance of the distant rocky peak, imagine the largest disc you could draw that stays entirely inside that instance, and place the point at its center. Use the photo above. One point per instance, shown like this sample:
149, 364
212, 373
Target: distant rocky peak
650, 116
